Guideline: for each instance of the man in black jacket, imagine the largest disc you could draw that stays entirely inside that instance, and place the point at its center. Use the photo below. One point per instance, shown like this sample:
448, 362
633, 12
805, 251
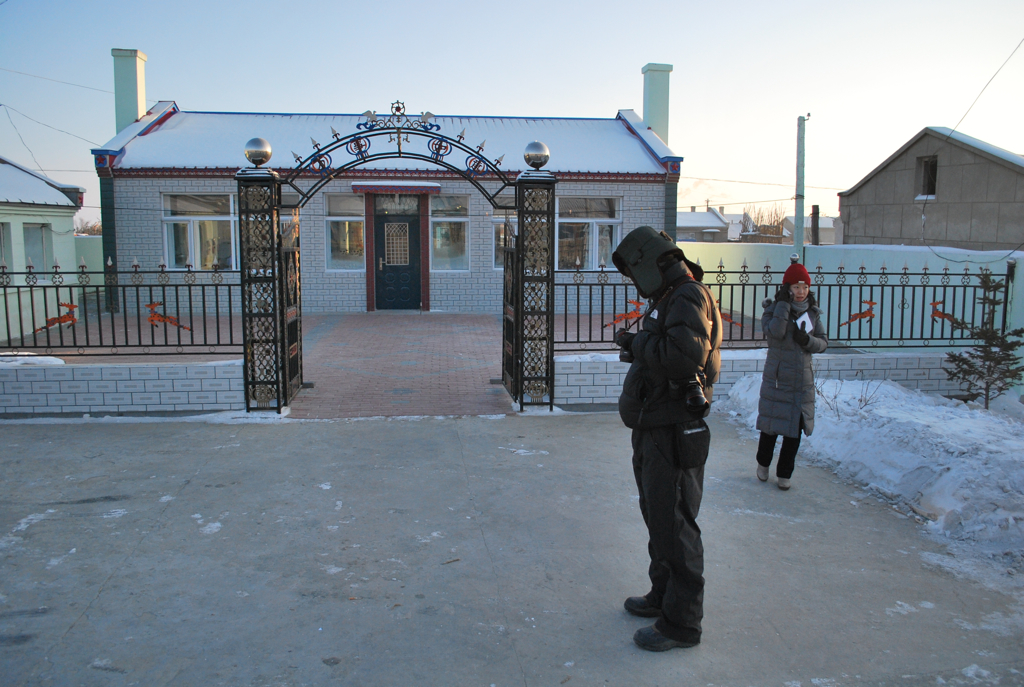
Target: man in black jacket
666, 395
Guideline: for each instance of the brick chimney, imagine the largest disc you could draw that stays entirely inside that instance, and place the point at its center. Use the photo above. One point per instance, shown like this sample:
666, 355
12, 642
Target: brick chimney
129, 86
656, 98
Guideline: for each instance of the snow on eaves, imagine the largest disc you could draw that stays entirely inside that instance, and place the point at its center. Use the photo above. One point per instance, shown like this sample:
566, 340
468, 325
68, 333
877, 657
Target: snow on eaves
216, 140
21, 185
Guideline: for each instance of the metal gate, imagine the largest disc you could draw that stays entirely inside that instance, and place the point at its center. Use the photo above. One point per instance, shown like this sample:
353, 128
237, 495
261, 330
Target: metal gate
270, 264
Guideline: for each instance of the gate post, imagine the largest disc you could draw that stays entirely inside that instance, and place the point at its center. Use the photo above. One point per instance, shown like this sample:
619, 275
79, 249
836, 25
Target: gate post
258, 200
535, 291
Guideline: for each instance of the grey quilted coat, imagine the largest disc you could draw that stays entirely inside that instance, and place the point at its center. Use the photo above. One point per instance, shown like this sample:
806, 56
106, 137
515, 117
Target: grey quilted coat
787, 385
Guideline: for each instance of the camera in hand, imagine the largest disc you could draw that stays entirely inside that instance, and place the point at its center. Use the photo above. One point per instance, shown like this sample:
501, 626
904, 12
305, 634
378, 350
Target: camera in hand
692, 393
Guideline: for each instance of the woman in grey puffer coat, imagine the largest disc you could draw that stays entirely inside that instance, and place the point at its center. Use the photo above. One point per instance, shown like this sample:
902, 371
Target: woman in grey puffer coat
786, 405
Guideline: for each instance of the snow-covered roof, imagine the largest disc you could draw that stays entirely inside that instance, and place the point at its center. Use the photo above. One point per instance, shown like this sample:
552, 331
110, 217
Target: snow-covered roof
986, 150
701, 220
169, 138
21, 185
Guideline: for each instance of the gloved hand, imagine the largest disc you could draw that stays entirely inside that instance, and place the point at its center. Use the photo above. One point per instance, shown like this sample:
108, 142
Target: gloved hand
783, 294
801, 337
624, 339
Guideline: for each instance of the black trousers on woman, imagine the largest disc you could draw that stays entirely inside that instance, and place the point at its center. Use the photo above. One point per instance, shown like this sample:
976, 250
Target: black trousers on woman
787, 456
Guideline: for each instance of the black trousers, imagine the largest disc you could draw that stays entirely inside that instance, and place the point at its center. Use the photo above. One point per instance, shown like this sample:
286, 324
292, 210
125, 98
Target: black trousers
669, 470
787, 454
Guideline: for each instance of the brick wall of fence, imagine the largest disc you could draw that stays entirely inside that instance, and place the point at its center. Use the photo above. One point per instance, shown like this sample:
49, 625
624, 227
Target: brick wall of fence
120, 388
599, 379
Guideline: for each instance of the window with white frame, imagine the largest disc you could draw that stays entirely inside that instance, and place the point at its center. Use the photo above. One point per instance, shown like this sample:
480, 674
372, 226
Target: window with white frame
449, 233
345, 231
38, 247
5, 247
588, 231
199, 230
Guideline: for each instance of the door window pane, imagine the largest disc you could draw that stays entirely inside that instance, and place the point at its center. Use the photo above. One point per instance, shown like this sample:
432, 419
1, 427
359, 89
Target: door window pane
605, 244
345, 205
197, 205
396, 243
448, 246
177, 245
394, 204
573, 246
214, 244
346, 239
449, 206
38, 246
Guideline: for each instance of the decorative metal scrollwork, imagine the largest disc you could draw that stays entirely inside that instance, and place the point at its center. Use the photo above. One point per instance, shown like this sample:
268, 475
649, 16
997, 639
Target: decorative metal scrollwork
904, 280
322, 164
190, 277
358, 147
841, 279
217, 278
398, 120
766, 277
5, 279
439, 148
476, 165
862, 279
904, 304
136, 279
57, 279
720, 277
602, 278
945, 280
577, 277
884, 279
83, 279
744, 278
926, 280
163, 278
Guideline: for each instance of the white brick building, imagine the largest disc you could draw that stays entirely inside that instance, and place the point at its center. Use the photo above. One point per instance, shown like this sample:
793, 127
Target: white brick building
167, 193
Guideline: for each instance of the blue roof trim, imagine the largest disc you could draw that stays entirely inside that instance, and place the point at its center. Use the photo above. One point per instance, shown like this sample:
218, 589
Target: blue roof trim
634, 126
353, 114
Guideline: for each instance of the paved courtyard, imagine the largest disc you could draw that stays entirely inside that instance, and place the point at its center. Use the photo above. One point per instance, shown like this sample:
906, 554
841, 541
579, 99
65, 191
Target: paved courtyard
461, 551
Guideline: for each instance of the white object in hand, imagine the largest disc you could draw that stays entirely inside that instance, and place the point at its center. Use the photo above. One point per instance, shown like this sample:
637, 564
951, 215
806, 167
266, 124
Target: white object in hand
804, 322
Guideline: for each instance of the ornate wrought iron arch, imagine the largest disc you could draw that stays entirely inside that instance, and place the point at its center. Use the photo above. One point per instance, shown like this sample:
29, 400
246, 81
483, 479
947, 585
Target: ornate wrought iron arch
398, 128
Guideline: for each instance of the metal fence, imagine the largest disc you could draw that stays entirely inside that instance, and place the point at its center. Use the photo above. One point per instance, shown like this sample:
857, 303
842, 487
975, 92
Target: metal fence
109, 313
861, 309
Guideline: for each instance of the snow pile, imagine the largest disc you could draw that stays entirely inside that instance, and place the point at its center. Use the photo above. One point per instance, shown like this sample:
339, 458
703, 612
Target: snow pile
19, 359
959, 468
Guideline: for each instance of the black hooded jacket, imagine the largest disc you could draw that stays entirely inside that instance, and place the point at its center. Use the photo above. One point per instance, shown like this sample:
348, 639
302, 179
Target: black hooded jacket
679, 337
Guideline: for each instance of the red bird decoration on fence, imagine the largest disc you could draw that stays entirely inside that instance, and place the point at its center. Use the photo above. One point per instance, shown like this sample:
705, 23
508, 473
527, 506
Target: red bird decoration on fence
938, 314
726, 317
68, 317
628, 316
156, 318
866, 314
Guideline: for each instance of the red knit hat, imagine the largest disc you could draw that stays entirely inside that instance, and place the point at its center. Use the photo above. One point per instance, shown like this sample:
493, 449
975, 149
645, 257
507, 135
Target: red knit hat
796, 273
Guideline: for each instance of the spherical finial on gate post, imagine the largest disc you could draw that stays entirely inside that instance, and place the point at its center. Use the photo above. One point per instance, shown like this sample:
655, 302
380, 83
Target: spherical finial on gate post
794, 258
536, 154
258, 151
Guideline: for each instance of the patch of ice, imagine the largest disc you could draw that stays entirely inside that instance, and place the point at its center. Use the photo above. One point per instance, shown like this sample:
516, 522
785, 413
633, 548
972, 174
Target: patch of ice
116, 513
325, 486
165, 499
212, 528
524, 452
20, 359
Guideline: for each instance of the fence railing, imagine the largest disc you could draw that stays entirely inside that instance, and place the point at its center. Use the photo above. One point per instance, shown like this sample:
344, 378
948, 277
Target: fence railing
109, 313
862, 309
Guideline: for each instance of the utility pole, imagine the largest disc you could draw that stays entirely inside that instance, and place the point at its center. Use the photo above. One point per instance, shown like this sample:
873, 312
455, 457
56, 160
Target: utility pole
798, 220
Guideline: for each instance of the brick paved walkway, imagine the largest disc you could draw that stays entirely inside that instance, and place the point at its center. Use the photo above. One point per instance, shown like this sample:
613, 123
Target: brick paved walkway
401, 363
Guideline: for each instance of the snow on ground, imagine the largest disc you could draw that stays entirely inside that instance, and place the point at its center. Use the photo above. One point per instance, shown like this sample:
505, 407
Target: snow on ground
19, 359
957, 468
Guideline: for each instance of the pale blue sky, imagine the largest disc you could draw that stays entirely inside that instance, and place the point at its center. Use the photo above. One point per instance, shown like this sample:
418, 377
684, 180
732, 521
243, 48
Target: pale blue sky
872, 74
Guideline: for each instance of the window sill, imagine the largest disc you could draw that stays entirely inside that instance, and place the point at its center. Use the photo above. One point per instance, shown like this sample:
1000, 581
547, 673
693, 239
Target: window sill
924, 198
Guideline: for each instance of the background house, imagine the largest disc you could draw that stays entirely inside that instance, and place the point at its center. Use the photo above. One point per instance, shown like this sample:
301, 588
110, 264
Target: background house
37, 229
709, 226
830, 230
167, 186
970, 193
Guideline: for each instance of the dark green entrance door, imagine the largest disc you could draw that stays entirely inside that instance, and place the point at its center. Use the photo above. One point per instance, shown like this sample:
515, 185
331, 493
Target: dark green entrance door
396, 232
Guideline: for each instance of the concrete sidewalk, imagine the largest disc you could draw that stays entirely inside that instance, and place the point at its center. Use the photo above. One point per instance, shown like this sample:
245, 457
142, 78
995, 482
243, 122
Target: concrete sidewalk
450, 552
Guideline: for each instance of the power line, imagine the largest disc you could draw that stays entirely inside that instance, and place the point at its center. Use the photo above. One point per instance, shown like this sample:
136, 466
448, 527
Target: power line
761, 183
46, 125
949, 136
66, 83
38, 166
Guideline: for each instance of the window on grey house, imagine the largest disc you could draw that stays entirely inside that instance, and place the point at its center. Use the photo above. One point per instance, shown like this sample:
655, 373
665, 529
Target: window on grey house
39, 247
449, 232
5, 247
927, 176
199, 230
345, 227
588, 231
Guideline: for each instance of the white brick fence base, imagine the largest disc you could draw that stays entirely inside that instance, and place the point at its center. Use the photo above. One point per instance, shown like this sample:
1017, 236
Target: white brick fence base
120, 388
598, 377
